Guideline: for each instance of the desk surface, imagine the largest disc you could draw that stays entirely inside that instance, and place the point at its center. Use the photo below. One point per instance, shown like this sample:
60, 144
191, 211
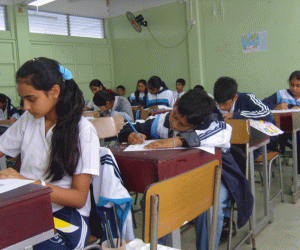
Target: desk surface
140, 169
25, 212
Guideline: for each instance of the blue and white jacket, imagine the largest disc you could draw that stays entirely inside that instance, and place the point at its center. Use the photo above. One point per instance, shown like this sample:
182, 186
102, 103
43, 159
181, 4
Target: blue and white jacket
108, 191
281, 96
134, 102
247, 106
164, 98
213, 133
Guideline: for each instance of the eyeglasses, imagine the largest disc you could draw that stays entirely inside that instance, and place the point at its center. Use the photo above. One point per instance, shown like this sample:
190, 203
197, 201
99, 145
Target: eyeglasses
226, 104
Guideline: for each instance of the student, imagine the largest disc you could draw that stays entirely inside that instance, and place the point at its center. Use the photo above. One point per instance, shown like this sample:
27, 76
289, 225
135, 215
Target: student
159, 95
138, 98
59, 148
95, 86
190, 124
8, 113
112, 105
121, 90
180, 83
237, 105
287, 99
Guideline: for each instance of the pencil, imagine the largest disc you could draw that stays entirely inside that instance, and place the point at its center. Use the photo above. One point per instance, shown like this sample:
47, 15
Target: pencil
132, 127
117, 227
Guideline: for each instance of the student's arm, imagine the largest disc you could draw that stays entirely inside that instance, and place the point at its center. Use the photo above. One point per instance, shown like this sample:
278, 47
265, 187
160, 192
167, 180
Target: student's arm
171, 99
125, 109
89, 107
254, 109
272, 102
75, 197
142, 126
218, 134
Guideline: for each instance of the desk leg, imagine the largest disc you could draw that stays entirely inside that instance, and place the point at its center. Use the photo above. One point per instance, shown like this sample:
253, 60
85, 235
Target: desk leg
252, 186
174, 239
295, 168
266, 181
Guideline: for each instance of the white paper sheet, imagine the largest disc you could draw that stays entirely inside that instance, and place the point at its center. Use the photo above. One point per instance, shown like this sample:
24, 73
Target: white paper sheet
10, 184
266, 127
285, 111
140, 147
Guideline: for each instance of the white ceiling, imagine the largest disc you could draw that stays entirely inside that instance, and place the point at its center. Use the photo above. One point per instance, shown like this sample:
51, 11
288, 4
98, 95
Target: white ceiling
96, 8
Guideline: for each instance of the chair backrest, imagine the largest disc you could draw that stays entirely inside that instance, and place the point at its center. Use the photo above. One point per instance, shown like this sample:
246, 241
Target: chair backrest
240, 131
107, 127
181, 198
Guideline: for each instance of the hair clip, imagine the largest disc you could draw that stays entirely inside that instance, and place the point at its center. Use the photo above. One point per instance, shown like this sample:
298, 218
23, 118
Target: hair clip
66, 74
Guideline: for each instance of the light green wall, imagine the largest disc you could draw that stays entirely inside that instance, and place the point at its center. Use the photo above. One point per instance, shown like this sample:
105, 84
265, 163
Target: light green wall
137, 55
86, 58
262, 73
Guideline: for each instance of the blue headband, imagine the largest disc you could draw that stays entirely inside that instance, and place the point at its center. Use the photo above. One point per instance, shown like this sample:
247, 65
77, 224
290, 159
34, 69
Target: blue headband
66, 74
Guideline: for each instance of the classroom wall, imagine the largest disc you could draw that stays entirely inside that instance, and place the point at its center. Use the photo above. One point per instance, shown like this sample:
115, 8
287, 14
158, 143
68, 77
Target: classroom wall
263, 72
86, 58
138, 55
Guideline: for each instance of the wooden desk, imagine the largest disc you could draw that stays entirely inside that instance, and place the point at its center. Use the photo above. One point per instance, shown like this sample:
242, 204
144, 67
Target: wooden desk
290, 123
243, 133
26, 217
141, 168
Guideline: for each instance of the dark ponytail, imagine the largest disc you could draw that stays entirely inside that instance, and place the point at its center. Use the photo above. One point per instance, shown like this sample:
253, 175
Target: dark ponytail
156, 82
44, 73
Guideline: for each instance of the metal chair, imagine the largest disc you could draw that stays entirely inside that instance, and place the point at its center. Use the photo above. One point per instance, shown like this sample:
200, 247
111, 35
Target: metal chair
271, 157
172, 202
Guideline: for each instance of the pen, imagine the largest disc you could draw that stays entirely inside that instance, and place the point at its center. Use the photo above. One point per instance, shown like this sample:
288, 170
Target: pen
132, 127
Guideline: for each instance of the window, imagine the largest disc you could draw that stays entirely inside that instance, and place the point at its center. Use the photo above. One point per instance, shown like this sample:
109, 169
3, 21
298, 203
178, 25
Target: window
86, 27
60, 24
47, 23
3, 18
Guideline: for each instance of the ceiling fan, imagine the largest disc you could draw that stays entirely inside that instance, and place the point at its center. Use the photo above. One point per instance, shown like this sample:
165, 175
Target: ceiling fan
136, 22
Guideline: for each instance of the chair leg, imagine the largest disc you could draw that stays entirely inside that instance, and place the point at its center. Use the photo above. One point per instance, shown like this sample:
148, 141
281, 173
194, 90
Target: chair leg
133, 218
281, 179
230, 226
252, 235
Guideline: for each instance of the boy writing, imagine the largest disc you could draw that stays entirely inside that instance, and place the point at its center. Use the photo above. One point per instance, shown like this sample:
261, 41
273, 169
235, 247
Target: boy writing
192, 123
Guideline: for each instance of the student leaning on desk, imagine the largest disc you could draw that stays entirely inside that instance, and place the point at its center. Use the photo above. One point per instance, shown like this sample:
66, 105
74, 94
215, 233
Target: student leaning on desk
287, 99
59, 148
237, 105
112, 105
8, 113
192, 123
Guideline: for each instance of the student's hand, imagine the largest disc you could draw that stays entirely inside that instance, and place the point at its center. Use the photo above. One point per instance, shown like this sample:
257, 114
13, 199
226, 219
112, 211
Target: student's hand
281, 106
154, 107
10, 173
228, 116
295, 107
133, 138
140, 107
165, 143
97, 114
12, 121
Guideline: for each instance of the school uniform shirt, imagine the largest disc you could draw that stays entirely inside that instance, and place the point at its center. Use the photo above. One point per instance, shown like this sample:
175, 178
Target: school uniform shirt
12, 114
164, 98
281, 96
93, 106
121, 107
27, 136
134, 102
213, 133
247, 106
177, 95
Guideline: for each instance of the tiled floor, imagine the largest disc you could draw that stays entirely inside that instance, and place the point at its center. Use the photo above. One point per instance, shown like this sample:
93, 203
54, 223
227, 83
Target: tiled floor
283, 233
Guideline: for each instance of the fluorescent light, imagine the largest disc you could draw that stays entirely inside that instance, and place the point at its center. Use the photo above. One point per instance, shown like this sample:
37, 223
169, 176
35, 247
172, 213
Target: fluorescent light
40, 2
